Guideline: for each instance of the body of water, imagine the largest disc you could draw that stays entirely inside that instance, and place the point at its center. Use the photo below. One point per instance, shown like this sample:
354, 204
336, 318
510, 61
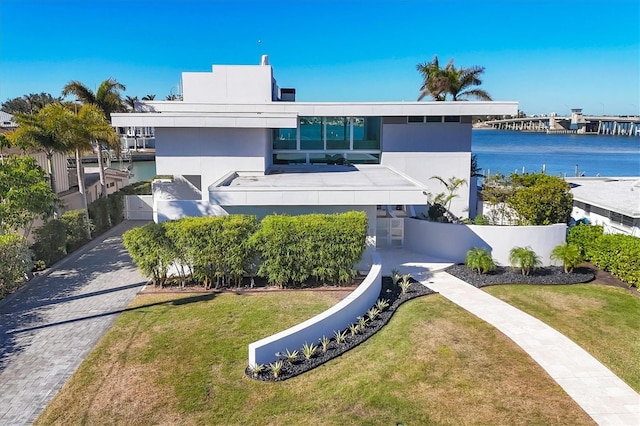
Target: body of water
501, 151
505, 152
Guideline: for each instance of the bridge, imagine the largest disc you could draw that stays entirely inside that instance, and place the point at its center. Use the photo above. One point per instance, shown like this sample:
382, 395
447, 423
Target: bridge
576, 123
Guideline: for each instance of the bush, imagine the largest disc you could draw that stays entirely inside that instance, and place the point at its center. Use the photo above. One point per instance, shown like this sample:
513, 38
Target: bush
151, 250
79, 229
15, 262
481, 220
569, 255
525, 259
480, 260
99, 215
620, 255
585, 237
324, 246
51, 242
544, 200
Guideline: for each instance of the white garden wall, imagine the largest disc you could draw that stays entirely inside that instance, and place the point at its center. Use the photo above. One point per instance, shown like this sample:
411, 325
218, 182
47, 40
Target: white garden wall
337, 317
451, 241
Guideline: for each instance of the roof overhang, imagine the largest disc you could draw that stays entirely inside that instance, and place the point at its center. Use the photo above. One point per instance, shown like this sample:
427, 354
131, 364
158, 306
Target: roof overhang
620, 195
318, 186
285, 114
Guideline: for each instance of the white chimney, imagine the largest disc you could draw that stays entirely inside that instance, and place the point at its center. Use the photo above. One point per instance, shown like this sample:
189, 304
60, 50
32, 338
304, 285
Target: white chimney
264, 60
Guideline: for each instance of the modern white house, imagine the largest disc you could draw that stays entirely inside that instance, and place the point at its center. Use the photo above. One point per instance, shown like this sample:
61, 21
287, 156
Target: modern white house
238, 143
613, 203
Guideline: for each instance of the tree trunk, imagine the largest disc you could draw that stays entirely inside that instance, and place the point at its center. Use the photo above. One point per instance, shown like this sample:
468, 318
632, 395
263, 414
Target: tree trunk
81, 189
103, 185
52, 176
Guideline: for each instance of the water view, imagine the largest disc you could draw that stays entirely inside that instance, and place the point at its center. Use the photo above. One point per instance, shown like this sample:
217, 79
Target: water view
509, 151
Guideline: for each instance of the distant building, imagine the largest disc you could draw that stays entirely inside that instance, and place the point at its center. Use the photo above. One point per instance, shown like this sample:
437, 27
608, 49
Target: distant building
613, 203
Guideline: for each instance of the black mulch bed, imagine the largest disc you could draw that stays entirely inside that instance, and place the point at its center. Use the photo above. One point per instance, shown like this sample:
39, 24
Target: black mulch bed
549, 275
390, 292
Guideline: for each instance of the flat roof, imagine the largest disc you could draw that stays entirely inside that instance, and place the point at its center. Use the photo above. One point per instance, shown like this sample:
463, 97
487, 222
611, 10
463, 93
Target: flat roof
318, 185
621, 195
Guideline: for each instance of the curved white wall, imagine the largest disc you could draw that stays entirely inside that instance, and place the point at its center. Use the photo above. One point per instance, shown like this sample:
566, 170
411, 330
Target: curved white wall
337, 317
451, 242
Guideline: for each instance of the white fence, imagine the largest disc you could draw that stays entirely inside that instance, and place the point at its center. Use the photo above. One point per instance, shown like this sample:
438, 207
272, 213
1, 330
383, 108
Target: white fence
452, 241
138, 207
337, 317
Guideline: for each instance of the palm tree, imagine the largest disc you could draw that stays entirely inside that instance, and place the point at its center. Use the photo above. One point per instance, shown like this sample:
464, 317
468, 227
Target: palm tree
569, 255
130, 102
435, 81
457, 82
525, 259
148, 97
479, 259
452, 186
42, 132
108, 99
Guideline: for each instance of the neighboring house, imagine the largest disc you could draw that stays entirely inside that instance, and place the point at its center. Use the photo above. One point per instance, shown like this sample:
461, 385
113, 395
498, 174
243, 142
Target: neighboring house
237, 143
613, 203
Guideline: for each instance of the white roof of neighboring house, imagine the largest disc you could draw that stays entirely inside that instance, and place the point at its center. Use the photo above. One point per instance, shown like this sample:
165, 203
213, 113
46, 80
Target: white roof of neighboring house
620, 195
6, 120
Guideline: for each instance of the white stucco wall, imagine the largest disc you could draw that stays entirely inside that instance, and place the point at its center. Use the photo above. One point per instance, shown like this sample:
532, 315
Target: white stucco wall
229, 84
422, 151
451, 242
210, 152
337, 317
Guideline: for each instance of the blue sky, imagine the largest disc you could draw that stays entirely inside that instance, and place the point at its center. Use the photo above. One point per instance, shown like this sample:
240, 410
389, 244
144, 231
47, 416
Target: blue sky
549, 56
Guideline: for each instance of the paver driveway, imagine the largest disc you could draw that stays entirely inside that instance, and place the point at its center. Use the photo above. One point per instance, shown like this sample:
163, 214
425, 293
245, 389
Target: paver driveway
50, 325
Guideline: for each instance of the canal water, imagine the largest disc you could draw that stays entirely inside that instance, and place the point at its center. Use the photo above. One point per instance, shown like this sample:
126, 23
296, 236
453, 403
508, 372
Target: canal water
501, 151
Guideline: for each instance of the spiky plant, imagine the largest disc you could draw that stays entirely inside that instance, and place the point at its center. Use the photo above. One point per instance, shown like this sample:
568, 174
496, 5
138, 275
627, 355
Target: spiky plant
340, 336
276, 367
405, 283
308, 350
291, 356
256, 369
324, 341
382, 304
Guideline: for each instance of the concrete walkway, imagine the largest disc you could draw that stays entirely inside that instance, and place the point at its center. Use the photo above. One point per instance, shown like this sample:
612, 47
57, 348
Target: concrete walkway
50, 325
604, 396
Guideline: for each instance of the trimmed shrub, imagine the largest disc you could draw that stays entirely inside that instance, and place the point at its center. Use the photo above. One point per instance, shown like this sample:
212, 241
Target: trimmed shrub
481, 220
15, 262
620, 255
51, 242
323, 246
79, 229
99, 215
151, 250
585, 237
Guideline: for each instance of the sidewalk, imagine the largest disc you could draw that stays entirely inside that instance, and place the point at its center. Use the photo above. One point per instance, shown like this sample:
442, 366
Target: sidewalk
50, 325
604, 396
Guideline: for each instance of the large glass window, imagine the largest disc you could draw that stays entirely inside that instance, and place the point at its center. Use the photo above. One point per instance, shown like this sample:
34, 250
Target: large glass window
366, 133
337, 131
290, 158
311, 133
284, 139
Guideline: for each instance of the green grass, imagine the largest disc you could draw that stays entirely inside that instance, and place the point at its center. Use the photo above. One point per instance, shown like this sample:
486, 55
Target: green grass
603, 320
181, 361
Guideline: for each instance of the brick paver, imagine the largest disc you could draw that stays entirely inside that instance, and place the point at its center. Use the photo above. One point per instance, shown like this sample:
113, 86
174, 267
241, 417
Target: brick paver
50, 325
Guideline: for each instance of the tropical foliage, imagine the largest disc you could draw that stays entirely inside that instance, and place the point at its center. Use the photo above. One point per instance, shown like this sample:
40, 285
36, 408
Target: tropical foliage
440, 207
25, 194
28, 104
529, 199
585, 237
569, 255
15, 262
525, 259
479, 259
459, 83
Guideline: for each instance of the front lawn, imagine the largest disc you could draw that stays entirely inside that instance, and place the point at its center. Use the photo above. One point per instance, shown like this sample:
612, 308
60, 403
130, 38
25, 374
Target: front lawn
604, 320
180, 360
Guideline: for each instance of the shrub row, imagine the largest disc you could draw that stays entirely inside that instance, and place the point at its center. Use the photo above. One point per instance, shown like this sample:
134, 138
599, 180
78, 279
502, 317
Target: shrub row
325, 247
222, 249
15, 262
615, 253
58, 237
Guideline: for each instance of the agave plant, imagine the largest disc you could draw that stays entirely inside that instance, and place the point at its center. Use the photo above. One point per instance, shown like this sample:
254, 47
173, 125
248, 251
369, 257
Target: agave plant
479, 259
256, 369
324, 341
340, 336
382, 304
395, 275
353, 329
308, 350
291, 356
525, 259
276, 367
405, 283
569, 255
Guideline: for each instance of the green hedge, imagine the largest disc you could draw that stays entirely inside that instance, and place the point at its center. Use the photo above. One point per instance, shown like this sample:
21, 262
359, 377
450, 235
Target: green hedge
51, 242
79, 228
219, 250
15, 262
326, 247
615, 253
